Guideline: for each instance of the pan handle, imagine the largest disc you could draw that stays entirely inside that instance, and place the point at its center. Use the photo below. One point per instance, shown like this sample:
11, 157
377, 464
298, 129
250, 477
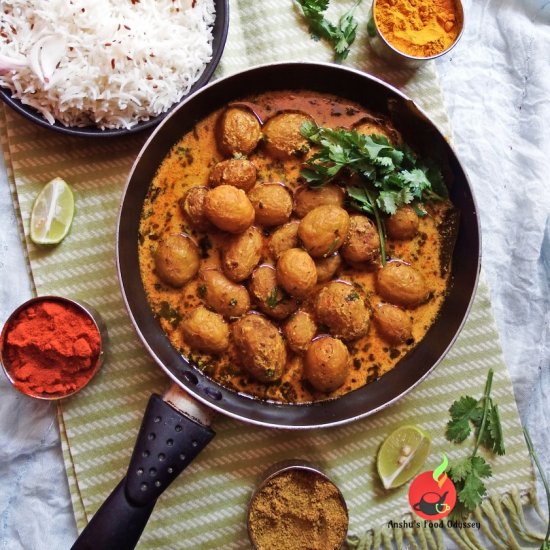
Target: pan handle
167, 442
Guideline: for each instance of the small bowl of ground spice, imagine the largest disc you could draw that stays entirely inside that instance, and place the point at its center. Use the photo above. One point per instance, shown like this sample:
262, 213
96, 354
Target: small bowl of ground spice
51, 347
297, 507
410, 32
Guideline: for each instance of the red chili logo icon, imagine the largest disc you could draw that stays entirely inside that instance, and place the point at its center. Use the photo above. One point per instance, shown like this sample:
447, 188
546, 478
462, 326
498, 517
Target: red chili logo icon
432, 495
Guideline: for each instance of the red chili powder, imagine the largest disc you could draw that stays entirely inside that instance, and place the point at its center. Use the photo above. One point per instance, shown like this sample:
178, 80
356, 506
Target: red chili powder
51, 348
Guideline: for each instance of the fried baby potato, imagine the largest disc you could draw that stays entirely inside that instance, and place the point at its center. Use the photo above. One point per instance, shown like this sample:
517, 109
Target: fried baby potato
299, 331
205, 330
340, 307
239, 172
326, 364
327, 267
307, 198
229, 209
296, 272
192, 208
241, 254
283, 139
261, 347
272, 204
362, 243
400, 283
284, 238
368, 127
392, 323
223, 295
177, 260
268, 295
403, 225
323, 230
237, 131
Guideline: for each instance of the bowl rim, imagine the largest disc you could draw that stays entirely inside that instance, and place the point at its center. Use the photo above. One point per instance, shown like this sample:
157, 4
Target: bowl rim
81, 306
219, 37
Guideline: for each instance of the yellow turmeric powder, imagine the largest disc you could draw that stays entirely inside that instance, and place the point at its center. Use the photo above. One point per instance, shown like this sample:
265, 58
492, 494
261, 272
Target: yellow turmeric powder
420, 28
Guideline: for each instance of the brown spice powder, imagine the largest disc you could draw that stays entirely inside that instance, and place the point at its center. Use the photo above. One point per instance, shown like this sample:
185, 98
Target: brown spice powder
298, 510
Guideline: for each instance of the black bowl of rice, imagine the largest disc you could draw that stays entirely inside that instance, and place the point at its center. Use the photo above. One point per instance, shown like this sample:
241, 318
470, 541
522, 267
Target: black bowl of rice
109, 68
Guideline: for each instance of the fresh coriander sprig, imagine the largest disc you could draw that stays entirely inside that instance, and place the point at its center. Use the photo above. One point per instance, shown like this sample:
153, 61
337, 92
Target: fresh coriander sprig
341, 36
546, 543
389, 176
468, 473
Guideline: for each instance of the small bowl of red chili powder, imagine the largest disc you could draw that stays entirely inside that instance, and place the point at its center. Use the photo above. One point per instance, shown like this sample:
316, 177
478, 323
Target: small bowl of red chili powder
51, 347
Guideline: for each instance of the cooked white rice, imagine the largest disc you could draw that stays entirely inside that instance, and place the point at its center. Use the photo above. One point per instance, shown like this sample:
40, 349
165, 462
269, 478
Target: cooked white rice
117, 62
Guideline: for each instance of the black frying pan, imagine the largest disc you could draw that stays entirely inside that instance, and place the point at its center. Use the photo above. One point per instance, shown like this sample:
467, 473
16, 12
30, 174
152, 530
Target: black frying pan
134, 498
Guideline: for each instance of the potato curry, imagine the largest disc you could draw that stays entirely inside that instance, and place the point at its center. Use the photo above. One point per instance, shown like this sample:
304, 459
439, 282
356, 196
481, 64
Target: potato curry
274, 288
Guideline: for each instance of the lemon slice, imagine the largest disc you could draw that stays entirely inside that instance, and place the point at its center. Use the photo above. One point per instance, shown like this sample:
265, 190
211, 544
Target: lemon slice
402, 455
52, 213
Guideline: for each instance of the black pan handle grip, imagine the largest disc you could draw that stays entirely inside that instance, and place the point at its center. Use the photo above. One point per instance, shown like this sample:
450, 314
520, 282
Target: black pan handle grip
167, 442
118, 524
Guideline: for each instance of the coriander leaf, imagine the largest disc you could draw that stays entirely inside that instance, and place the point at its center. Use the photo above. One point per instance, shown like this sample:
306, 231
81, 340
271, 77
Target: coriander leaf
433, 173
272, 300
309, 129
360, 200
460, 471
480, 467
468, 473
333, 246
420, 212
347, 27
312, 177
386, 202
384, 162
458, 428
416, 181
467, 476
314, 7
172, 315
493, 439
371, 156
340, 36
389, 177
471, 493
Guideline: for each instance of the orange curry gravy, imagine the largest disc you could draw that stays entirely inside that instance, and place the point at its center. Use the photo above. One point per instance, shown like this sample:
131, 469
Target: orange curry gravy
188, 164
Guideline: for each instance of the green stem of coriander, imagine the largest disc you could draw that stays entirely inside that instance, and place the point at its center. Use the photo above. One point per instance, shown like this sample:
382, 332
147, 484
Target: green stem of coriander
542, 476
486, 397
379, 225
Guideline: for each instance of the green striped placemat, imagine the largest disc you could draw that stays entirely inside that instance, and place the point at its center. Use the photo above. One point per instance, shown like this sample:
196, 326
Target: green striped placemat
205, 508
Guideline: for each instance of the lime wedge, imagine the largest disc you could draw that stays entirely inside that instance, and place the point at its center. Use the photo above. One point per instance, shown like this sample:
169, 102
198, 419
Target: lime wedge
52, 213
402, 455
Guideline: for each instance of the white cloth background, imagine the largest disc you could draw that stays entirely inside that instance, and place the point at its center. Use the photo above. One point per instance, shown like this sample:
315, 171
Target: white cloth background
496, 85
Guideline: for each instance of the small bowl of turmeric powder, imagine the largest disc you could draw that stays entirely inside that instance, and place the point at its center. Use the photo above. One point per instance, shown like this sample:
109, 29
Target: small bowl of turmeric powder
51, 347
297, 507
410, 32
